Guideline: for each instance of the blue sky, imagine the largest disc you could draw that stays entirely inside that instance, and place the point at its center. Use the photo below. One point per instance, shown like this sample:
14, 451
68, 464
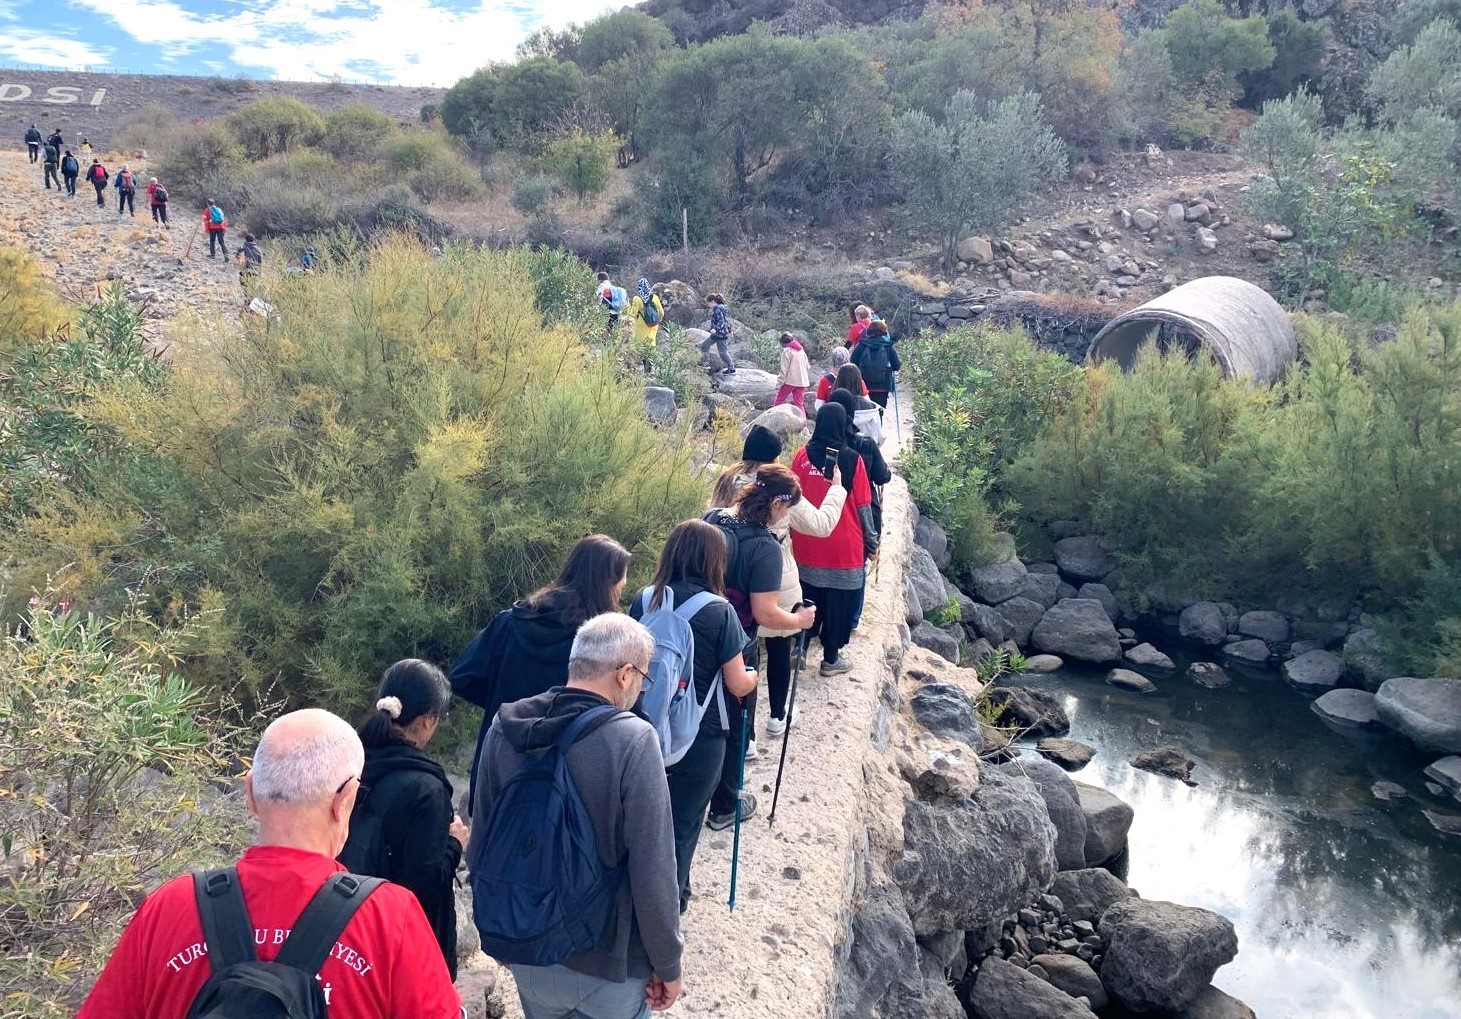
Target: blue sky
406, 42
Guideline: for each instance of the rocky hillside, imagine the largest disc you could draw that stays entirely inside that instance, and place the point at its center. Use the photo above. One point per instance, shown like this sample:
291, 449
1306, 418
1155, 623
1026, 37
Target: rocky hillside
93, 105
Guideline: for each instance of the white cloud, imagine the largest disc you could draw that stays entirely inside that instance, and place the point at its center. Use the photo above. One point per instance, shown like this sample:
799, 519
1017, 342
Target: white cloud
403, 41
27, 46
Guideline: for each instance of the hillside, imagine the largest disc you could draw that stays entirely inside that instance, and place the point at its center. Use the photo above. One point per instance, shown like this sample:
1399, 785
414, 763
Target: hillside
93, 105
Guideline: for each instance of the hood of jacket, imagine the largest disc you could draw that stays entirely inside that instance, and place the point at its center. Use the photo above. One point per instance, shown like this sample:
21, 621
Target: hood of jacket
382, 761
534, 724
542, 634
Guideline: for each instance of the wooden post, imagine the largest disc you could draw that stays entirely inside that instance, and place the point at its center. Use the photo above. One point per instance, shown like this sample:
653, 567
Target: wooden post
685, 236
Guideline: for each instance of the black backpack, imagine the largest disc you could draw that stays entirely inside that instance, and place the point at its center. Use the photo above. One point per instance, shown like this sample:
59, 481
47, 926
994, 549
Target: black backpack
366, 850
241, 986
875, 362
734, 531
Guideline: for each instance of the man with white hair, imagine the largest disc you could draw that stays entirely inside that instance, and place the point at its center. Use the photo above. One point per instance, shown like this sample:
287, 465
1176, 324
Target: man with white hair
619, 773
383, 965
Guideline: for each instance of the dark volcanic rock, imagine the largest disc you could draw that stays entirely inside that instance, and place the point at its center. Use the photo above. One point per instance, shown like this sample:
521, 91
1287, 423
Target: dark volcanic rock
1004, 991
1086, 894
1168, 761
1078, 628
1425, 711
1108, 819
1034, 711
1070, 754
1160, 955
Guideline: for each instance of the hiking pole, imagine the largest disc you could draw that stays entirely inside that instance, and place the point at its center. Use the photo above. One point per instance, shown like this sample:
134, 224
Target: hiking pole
796, 672
740, 784
897, 412
197, 225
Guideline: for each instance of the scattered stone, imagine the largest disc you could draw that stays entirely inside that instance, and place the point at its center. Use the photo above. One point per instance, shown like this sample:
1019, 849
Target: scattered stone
1212, 1003
1078, 628
928, 583
940, 642
1208, 674
1144, 220
1447, 773
1125, 679
1034, 711
784, 420
1348, 709
1044, 663
1274, 232
1167, 761
976, 250
1203, 623
1070, 754
1003, 990
1264, 251
1250, 652
933, 539
1083, 558
659, 404
1425, 711
1177, 212
1314, 670
1207, 241
1086, 894
751, 384
998, 582
1269, 627
1020, 616
1387, 791
1072, 976
1108, 819
1160, 955
1446, 824
1061, 804
1149, 657
1041, 587
988, 623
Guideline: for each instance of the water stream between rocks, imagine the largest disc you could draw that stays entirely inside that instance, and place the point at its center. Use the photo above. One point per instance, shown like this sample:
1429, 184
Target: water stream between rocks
1346, 906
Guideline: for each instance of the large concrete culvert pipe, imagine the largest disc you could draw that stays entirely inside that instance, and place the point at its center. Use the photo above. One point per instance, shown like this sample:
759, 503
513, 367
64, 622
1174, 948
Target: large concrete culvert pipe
1239, 324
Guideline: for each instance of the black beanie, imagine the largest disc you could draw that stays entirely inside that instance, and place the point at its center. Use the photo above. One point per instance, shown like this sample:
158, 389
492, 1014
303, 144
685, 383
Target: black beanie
762, 445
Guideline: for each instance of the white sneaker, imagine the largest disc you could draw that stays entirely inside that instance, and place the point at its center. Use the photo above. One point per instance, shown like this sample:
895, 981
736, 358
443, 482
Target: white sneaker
778, 726
751, 752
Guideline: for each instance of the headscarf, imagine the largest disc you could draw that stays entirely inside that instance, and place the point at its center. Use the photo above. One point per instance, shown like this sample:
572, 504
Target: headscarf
848, 403
642, 289
830, 432
840, 356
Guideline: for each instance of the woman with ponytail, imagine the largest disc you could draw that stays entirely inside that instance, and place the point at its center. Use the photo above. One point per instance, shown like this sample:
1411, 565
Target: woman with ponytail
403, 827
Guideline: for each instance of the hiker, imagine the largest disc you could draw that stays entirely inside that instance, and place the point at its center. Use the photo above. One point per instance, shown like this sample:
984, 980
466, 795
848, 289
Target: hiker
865, 415
403, 827
52, 166
250, 262
868, 449
834, 568
524, 651
753, 586
861, 316
693, 562
56, 141
720, 334
217, 226
308, 259
763, 446
646, 311
86, 153
157, 200
70, 170
126, 186
613, 299
796, 374
33, 142
877, 359
301, 788
615, 768
828, 381
97, 175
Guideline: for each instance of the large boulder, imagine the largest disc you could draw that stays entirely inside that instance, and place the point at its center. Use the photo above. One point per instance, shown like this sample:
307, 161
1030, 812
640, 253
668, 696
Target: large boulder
1020, 616
1078, 628
976, 250
1041, 588
1035, 712
1083, 558
1108, 820
783, 420
1063, 806
1269, 627
1125, 679
1314, 670
969, 864
928, 582
1148, 657
994, 583
1203, 623
756, 387
1446, 773
1348, 709
940, 642
1004, 991
881, 965
1070, 754
1365, 657
1212, 1003
1167, 761
1425, 711
1250, 652
659, 404
1160, 955
1208, 674
1073, 976
928, 535
1086, 894
946, 710
1102, 594
988, 623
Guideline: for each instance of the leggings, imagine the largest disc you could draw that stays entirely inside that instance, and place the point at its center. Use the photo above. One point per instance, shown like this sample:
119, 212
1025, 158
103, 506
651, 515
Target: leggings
791, 395
778, 672
692, 782
834, 618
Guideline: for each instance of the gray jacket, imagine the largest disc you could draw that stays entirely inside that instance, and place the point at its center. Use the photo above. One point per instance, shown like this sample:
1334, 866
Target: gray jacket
620, 775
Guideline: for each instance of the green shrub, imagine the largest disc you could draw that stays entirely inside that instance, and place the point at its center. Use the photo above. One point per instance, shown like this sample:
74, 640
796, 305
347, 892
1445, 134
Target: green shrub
581, 161
1298, 48
274, 125
353, 132
281, 207
429, 165
1208, 46
534, 193
204, 161
150, 128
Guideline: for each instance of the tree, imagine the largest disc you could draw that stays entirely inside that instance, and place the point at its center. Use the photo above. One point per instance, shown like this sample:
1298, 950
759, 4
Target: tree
1426, 73
581, 161
511, 104
971, 171
615, 35
273, 125
1208, 45
1298, 48
1415, 15
1286, 137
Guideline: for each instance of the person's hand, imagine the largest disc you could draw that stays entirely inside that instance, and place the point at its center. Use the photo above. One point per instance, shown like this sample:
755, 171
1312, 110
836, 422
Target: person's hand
836, 476
805, 616
459, 830
661, 994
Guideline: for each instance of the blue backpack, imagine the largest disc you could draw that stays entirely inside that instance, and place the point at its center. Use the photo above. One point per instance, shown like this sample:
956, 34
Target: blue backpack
617, 298
669, 702
540, 893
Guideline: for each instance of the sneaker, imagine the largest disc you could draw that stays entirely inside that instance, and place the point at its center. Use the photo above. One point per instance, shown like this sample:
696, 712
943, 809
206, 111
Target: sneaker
720, 822
778, 726
752, 754
836, 668
728, 371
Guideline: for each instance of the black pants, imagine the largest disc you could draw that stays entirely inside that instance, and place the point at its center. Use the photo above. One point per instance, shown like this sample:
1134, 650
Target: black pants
70, 183
881, 399
125, 201
52, 175
778, 672
692, 782
834, 618
35, 151
159, 213
101, 192
742, 715
217, 239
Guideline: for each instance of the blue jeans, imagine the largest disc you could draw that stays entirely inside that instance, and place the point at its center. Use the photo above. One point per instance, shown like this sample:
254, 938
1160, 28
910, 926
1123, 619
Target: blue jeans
557, 992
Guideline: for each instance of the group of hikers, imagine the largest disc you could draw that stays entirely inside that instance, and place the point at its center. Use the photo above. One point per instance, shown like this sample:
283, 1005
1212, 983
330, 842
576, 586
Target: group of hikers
613, 733
63, 168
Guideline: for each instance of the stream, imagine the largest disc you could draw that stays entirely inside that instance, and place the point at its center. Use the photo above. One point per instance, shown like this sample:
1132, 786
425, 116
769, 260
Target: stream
1346, 906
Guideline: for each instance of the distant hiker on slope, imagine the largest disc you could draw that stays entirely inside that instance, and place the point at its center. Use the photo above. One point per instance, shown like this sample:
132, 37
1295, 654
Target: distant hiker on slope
56, 140
70, 170
250, 262
86, 154
796, 373
126, 186
646, 311
33, 143
52, 164
217, 226
720, 334
157, 199
97, 175
614, 300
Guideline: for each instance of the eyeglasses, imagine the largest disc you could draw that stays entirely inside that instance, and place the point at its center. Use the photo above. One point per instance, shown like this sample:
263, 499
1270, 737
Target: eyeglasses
642, 673
341, 787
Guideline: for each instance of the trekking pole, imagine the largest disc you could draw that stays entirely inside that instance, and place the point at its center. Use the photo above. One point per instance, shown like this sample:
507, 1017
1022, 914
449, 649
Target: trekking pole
197, 225
897, 412
740, 784
796, 672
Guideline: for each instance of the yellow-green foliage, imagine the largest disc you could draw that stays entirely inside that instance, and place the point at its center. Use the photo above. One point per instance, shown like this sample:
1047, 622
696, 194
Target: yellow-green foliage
273, 125
29, 309
429, 162
405, 449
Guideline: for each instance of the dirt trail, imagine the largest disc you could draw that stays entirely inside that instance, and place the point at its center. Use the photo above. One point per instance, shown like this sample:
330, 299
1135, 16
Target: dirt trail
81, 246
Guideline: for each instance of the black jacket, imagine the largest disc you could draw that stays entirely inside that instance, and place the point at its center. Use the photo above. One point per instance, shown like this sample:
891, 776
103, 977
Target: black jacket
32, 137
411, 795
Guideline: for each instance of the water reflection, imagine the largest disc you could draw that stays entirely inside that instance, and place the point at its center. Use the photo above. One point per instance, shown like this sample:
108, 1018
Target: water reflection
1346, 906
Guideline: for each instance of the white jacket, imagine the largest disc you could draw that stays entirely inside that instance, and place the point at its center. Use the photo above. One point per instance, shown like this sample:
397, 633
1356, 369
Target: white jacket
806, 519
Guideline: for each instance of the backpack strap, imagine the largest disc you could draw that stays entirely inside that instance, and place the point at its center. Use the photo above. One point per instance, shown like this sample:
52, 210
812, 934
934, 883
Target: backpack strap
696, 603
323, 921
227, 930
585, 723
647, 596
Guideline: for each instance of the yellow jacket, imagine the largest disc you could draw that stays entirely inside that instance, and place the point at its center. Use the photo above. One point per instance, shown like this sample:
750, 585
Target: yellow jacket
644, 333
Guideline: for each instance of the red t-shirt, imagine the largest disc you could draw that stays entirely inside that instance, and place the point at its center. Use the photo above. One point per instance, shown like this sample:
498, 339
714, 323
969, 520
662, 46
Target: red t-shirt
843, 548
386, 964
854, 332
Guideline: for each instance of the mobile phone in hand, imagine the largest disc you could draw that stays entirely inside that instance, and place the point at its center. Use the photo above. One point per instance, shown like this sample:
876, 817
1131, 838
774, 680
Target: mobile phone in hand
829, 463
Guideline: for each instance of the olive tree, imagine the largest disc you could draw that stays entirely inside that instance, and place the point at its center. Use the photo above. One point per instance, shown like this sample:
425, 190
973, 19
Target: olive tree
968, 173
